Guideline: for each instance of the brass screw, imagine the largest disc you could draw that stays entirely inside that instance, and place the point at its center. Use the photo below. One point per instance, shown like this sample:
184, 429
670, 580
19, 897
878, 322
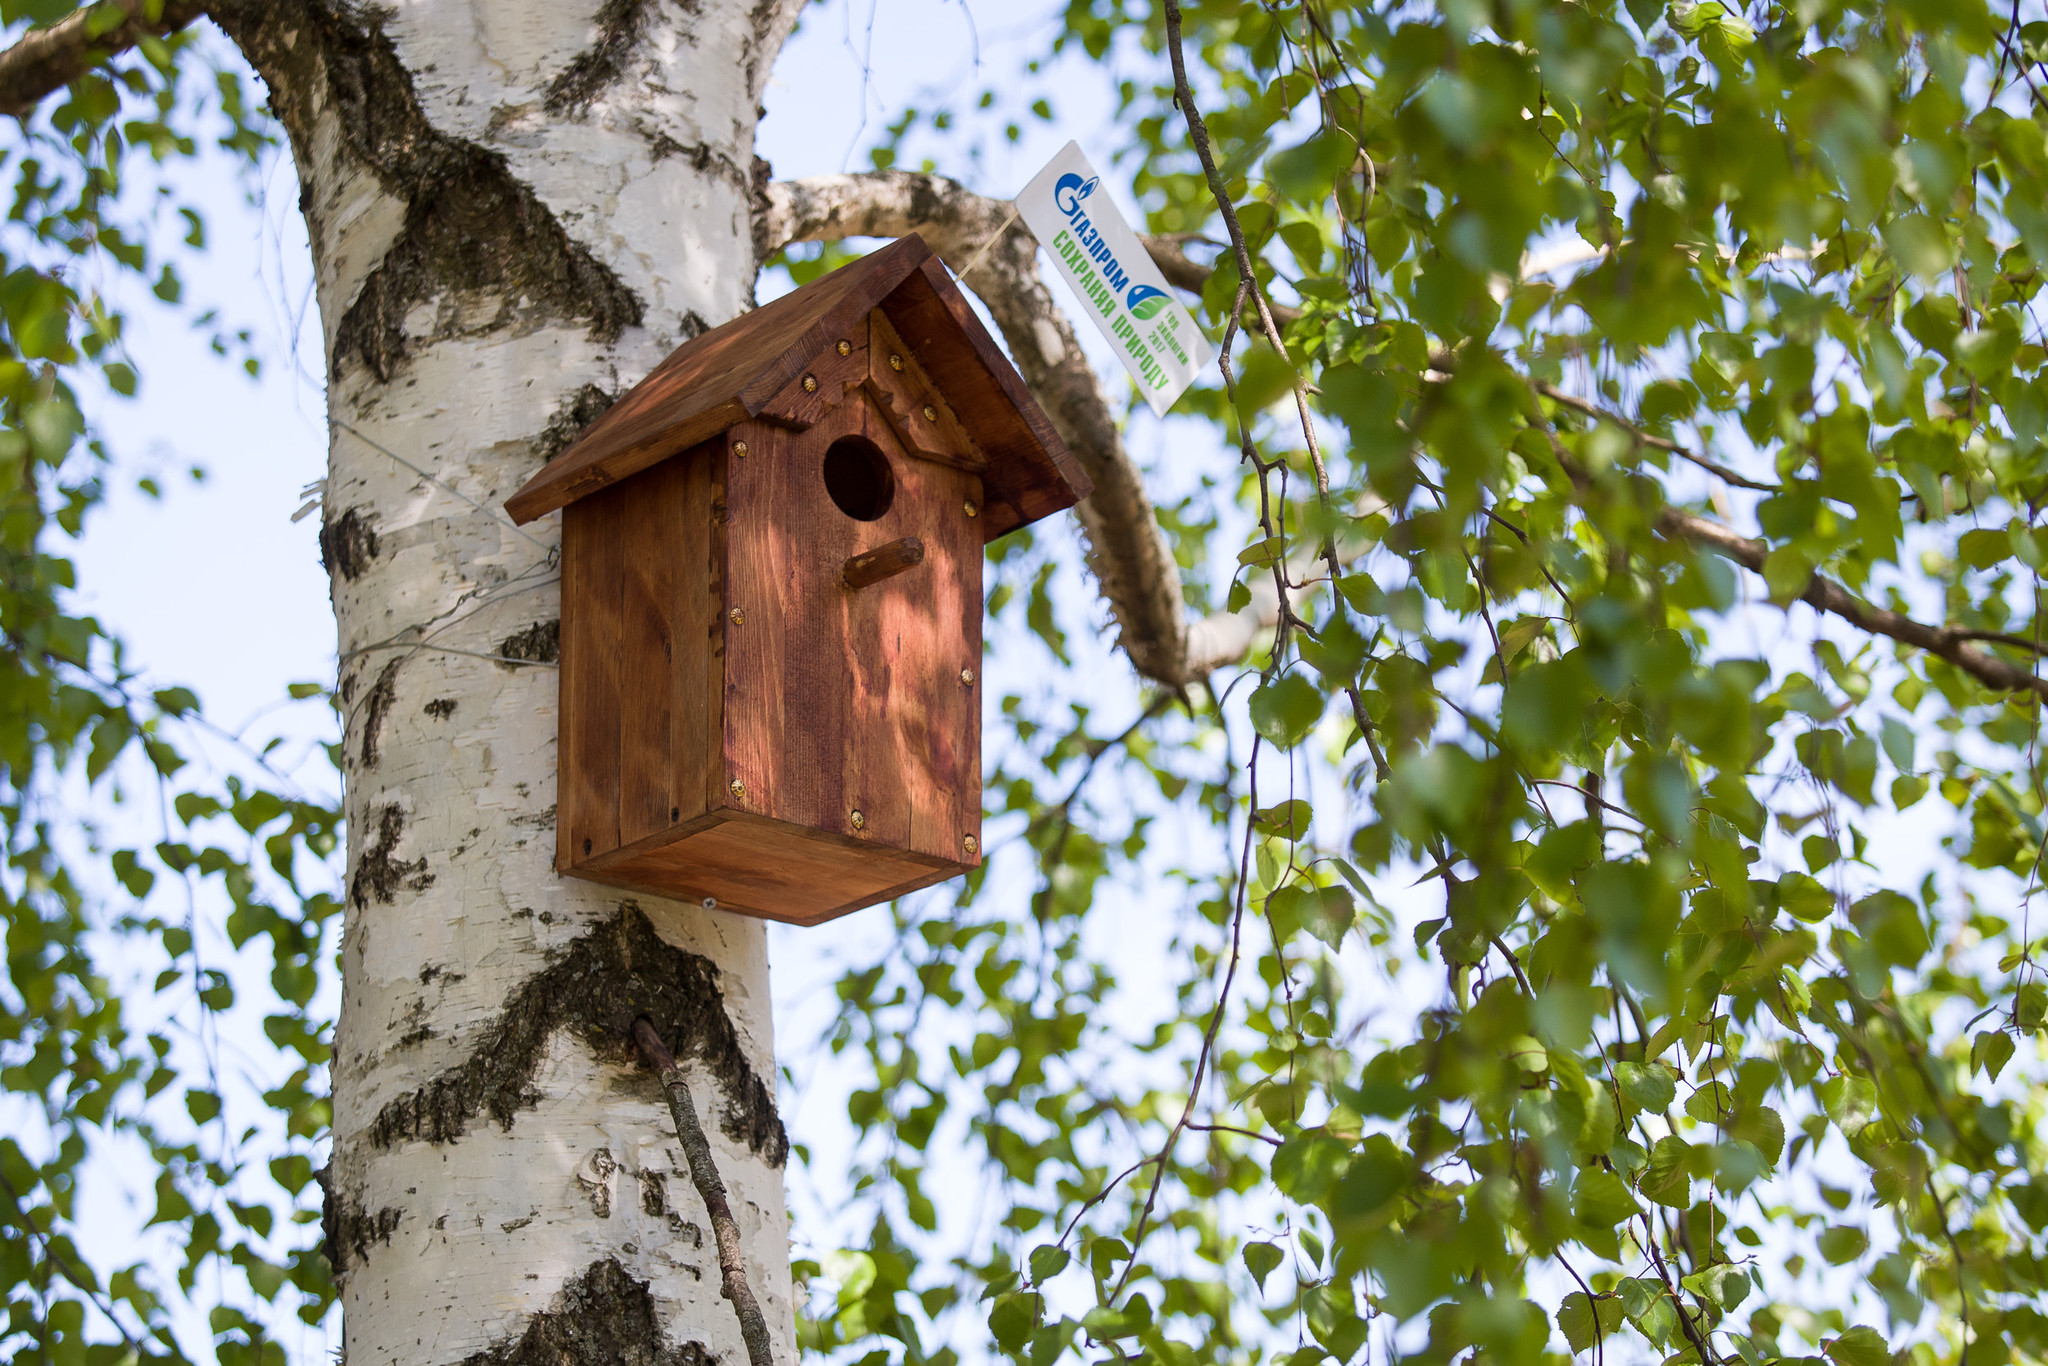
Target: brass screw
967, 677
739, 448
972, 508
810, 384
846, 348
860, 822
738, 615
895, 362
971, 844
931, 414
737, 788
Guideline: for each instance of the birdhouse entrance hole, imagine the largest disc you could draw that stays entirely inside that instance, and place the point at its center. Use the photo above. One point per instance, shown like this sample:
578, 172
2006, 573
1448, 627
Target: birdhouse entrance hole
858, 477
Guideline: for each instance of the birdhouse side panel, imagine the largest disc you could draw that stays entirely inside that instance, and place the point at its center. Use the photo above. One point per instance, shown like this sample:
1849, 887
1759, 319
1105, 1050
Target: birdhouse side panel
587, 743
853, 710
642, 658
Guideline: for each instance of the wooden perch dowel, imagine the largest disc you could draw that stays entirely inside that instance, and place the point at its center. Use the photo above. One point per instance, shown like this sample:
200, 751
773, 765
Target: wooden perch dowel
884, 561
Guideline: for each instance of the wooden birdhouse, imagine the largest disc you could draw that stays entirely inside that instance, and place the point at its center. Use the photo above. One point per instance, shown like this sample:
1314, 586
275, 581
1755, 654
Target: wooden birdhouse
771, 597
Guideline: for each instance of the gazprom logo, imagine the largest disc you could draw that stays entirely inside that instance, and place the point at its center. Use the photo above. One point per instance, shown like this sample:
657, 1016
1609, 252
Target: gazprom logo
1069, 190
1145, 302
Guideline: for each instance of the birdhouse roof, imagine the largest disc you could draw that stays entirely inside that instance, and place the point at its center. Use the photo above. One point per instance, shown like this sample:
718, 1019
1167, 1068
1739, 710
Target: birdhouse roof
727, 375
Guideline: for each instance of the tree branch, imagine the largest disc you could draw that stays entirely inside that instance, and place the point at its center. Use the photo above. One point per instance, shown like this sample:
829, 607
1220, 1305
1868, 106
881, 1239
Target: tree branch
45, 60
1649, 438
1949, 643
1127, 550
704, 1174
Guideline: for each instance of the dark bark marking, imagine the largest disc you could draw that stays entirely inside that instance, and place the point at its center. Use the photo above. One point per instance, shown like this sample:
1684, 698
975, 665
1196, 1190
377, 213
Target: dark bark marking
441, 708
617, 972
472, 227
541, 643
578, 411
347, 1230
348, 544
621, 24
602, 1318
653, 1193
376, 707
381, 877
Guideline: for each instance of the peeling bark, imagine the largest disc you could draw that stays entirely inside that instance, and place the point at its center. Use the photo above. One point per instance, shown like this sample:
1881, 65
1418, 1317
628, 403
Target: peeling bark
348, 1232
380, 875
376, 707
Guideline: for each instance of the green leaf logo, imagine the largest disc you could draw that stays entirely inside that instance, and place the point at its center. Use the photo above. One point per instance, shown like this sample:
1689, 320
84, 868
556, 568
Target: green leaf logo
1145, 302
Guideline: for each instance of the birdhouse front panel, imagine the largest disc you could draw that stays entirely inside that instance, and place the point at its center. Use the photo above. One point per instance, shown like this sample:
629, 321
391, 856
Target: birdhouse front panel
772, 596
855, 709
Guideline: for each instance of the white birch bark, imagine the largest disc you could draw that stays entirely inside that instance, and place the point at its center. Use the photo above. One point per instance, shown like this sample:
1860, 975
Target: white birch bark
517, 207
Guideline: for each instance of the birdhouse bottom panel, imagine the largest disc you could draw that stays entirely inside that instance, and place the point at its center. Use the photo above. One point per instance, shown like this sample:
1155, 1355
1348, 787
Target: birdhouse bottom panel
771, 869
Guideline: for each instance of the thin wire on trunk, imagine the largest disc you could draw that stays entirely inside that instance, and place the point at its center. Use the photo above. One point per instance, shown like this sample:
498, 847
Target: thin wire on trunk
704, 1173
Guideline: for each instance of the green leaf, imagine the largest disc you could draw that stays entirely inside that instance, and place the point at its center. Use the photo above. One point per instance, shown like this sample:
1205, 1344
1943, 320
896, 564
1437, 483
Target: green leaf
1859, 1346
1843, 1245
1721, 1284
1286, 710
1668, 1178
1585, 1321
1990, 1051
1287, 820
1651, 1086
1261, 1259
1012, 1318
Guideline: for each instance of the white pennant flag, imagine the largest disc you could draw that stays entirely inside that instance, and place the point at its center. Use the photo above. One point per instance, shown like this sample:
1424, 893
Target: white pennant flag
1119, 287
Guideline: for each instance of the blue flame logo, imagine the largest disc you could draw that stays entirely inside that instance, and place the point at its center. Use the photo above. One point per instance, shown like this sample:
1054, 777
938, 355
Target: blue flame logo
1069, 190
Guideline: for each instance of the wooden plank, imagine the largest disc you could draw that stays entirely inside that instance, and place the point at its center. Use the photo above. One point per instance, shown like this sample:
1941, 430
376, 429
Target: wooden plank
587, 772
813, 541
649, 530
717, 379
759, 558
913, 732
699, 677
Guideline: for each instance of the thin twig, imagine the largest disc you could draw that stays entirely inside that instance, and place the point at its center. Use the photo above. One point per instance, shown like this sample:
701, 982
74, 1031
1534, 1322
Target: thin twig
1649, 438
704, 1172
80, 1278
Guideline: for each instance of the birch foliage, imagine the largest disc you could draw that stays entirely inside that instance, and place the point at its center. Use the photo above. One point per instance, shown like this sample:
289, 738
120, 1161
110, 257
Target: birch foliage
1596, 921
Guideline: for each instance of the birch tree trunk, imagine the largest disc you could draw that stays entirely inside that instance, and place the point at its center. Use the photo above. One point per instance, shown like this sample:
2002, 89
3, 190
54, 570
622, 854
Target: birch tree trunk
517, 207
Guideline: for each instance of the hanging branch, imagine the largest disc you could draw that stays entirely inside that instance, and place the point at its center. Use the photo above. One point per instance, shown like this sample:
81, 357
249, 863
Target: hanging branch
1250, 290
704, 1173
1944, 642
45, 60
